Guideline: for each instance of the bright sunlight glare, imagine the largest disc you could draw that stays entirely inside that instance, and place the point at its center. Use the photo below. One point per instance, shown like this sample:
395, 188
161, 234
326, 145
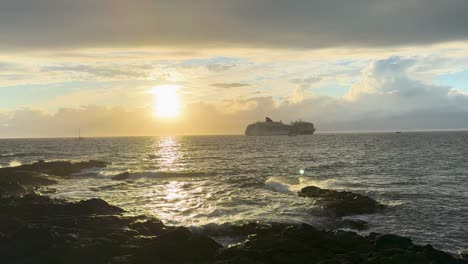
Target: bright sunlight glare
167, 101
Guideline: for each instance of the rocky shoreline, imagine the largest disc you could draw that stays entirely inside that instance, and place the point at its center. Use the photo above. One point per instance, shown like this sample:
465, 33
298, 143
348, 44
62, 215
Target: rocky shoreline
38, 229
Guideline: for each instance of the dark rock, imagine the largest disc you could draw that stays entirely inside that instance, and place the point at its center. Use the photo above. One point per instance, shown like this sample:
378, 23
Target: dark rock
122, 176
437, 256
149, 227
57, 168
37, 206
21, 182
342, 203
37, 229
305, 244
391, 241
355, 224
95, 206
177, 246
30, 177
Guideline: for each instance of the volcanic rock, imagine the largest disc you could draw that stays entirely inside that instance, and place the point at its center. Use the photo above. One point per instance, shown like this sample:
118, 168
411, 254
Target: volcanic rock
342, 203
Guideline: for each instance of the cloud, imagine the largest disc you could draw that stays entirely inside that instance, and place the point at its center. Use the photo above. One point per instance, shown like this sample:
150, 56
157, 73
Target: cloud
307, 82
388, 89
386, 98
210, 23
229, 85
93, 72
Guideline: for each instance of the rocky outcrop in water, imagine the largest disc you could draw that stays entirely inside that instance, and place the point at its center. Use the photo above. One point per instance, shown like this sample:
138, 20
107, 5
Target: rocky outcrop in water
57, 168
30, 177
342, 203
283, 243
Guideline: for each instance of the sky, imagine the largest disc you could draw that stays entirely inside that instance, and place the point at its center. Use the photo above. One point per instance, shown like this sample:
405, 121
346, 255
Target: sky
356, 65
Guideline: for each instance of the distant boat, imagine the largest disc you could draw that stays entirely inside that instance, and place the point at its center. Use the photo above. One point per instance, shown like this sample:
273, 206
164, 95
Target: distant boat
79, 135
398, 132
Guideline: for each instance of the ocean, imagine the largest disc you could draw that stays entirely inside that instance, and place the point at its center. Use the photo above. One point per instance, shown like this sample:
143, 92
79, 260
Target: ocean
201, 181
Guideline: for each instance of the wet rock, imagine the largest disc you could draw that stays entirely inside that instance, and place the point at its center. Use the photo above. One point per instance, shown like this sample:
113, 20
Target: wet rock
57, 168
177, 246
30, 177
391, 241
305, 244
37, 229
437, 256
37, 206
122, 176
342, 203
94, 206
151, 227
21, 182
355, 224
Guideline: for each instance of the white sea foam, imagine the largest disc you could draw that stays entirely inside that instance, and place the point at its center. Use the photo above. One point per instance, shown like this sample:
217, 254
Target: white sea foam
281, 184
390, 203
14, 163
92, 172
294, 184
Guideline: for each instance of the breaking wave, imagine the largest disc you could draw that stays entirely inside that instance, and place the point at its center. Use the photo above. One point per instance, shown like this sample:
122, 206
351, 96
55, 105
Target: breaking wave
294, 184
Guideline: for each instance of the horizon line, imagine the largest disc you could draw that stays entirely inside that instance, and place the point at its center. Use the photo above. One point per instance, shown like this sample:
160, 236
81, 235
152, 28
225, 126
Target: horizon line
241, 134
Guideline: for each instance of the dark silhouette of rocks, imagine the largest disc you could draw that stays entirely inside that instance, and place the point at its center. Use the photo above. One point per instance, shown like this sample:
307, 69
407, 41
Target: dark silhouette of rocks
20, 182
177, 246
342, 203
305, 244
30, 177
56, 168
355, 224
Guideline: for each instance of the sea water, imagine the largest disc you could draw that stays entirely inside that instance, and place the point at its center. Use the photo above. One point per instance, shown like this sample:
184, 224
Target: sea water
200, 181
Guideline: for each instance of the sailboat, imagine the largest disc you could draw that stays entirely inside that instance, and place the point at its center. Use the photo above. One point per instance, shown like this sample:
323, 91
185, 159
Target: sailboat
79, 135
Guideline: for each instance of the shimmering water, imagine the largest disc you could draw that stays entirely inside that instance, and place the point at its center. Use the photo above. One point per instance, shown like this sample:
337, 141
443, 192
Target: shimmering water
200, 180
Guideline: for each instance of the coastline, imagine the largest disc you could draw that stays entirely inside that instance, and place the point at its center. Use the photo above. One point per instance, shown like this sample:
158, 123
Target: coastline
35, 228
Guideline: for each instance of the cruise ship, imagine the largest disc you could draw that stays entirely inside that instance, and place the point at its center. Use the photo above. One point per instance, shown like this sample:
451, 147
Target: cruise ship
275, 128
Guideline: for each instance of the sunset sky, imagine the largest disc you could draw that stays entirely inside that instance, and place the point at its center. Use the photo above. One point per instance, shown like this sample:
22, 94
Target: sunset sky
212, 67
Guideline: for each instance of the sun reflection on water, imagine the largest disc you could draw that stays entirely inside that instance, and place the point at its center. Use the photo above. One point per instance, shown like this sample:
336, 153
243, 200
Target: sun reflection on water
169, 153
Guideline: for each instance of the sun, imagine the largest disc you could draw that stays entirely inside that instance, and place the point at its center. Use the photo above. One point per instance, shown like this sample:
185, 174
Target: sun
167, 101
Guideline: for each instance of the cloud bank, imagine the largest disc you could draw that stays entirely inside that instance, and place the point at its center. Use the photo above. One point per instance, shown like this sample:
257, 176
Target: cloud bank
386, 98
211, 23
229, 85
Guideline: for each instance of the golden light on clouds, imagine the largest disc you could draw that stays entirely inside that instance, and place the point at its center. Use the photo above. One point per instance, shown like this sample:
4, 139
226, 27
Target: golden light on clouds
167, 101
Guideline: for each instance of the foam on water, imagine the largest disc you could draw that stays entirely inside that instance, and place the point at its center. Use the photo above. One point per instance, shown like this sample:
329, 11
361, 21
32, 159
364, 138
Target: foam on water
295, 184
14, 163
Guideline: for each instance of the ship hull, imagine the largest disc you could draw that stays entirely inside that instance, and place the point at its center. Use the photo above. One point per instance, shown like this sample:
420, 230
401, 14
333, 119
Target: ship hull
267, 133
271, 128
286, 131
